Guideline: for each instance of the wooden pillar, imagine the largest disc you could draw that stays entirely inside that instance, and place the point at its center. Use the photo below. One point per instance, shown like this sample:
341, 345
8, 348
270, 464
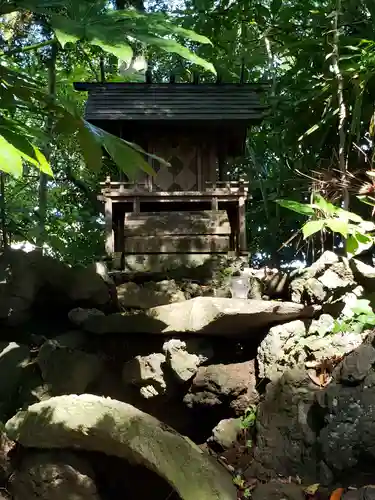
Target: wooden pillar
242, 224
152, 163
200, 180
221, 157
136, 205
109, 241
119, 240
214, 204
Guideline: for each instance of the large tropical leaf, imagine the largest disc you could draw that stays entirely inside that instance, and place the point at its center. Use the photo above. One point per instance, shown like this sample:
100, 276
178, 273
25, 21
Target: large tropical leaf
10, 158
338, 226
295, 206
112, 30
358, 243
311, 227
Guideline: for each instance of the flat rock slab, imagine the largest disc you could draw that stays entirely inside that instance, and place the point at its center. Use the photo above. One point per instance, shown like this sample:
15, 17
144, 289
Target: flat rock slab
105, 425
203, 316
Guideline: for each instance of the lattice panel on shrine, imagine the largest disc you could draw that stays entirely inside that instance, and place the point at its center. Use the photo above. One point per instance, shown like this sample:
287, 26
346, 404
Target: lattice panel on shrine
182, 175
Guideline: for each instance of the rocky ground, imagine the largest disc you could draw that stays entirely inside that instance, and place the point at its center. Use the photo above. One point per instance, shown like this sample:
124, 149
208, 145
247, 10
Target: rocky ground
279, 399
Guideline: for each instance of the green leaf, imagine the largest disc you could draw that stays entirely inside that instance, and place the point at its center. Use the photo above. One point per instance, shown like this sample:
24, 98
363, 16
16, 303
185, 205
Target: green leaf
110, 32
43, 164
262, 11
358, 243
276, 6
67, 30
19, 141
190, 34
91, 148
26, 150
10, 158
65, 38
300, 208
370, 319
127, 159
367, 200
352, 246
96, 33
365, 241
169, 45
361, 306
309, 131
157, 22
325, 206
67, 124
311, 227
150, 155
338, 326
344, 214
122, 51
366, 226
338, 226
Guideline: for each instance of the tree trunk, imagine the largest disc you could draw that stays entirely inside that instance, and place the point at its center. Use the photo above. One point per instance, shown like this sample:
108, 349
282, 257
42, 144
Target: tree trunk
275, 221
4, 232
42, 212
341, 104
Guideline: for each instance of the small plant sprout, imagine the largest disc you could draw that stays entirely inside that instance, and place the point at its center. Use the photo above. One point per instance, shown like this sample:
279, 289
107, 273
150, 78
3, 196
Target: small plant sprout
324, 216
249, 418
358, 317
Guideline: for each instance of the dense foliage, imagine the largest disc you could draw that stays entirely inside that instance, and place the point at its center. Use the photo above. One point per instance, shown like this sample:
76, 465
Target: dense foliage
317, 56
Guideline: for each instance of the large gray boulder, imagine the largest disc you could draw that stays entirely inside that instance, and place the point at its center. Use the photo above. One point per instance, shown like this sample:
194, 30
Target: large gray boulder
230, 388
185, 356
329, 279
292, 344
320, 435
225, 433
28, 279
146, 373
347, 439
151, 373
66, 370
363, 274
6, 463
79, 315
14, 361
286, 436
101, 424
53, 475
150, 294
203, 316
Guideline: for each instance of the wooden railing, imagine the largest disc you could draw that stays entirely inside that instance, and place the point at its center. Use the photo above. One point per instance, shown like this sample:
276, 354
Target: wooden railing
122, 187
228, 185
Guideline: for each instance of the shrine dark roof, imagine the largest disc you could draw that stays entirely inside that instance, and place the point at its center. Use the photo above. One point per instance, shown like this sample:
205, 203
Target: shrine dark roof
173, 102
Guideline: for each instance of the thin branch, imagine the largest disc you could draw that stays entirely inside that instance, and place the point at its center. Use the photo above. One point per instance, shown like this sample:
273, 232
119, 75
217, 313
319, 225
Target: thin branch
341, 103
28, 48
85, 189
92, 67
3, 211
42, 205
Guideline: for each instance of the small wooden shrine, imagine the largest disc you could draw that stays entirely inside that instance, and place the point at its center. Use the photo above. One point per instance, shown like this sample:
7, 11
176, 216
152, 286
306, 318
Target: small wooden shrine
190, 207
